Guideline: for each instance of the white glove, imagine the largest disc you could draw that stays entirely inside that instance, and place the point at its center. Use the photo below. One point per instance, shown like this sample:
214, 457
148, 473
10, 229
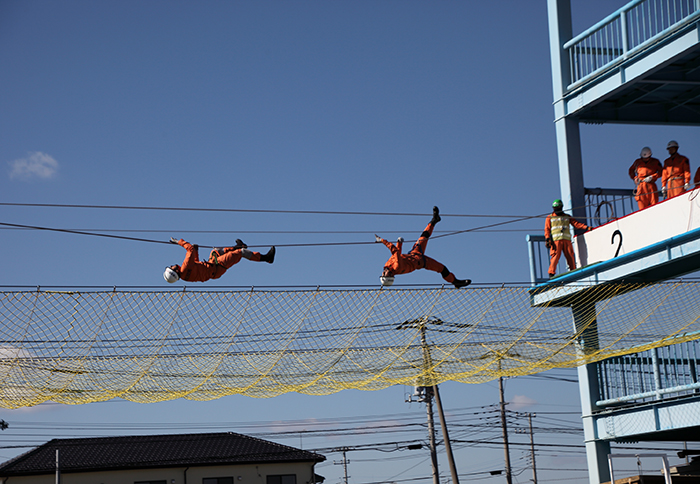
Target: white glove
687, 186
173, 240
648, 179
663, 191
400, 240
377, 239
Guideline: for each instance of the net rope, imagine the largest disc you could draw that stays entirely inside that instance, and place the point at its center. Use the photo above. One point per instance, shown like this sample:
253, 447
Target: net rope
78, 347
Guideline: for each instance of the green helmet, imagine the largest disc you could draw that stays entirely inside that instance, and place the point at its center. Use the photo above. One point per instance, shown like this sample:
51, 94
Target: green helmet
557, 203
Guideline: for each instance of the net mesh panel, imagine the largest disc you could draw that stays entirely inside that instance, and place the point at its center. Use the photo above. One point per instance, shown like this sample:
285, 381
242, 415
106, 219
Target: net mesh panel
81, 347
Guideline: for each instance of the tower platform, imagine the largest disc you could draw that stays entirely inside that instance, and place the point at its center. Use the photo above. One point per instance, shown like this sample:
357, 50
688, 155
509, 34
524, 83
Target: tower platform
650, 245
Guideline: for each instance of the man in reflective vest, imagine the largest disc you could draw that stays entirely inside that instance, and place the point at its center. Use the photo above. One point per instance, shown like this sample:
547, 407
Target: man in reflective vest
558, 237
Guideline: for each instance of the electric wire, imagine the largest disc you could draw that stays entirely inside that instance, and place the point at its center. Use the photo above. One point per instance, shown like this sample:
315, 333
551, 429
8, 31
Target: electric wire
243, 210
514, 219
268, 232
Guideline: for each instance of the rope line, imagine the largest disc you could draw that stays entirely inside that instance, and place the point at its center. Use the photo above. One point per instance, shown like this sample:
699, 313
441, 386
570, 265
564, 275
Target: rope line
77, 346
317, 244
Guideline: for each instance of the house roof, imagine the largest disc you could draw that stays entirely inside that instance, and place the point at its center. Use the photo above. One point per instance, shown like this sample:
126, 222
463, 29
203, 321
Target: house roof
152, 451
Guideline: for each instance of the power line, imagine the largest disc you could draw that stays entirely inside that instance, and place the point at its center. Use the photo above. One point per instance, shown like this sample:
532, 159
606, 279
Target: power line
273, 232
242, 210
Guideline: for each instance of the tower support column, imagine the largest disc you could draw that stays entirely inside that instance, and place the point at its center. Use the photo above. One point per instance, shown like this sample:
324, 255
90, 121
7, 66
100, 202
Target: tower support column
586, 326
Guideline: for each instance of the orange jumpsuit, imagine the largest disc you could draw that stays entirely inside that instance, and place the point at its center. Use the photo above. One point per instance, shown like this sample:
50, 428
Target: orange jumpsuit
646, 193
400, 263
696, 178
675, 175
556, 231
194, 270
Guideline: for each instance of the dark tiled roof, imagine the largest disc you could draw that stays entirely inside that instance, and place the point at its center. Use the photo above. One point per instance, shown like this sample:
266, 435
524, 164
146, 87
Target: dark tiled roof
152, 451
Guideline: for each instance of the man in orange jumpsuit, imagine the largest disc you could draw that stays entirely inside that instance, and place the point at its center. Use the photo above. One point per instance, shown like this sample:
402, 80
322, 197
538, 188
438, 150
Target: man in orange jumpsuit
696, 178
220, 260
645, 171
558, 237
676, 174
400, 263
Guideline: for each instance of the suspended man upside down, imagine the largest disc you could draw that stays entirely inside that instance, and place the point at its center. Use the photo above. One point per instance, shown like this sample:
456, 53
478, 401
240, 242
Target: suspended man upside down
220, 260
400, 263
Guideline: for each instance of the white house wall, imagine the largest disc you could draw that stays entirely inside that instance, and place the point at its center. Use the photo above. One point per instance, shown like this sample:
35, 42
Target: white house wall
243, 474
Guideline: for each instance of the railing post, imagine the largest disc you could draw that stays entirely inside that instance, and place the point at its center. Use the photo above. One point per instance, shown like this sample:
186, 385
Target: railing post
657, 374
623, 32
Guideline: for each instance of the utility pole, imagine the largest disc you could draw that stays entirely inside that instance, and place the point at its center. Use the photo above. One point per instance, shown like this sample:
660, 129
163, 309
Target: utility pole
344, 463
532, 449
58, 469
446, 436
431, 433
426, 394
504, 425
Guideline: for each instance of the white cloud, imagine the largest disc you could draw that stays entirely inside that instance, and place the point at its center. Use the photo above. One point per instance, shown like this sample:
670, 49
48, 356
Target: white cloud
35, 165
521, 401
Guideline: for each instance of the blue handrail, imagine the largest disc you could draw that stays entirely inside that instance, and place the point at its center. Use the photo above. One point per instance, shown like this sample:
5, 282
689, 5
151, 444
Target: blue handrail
625, 32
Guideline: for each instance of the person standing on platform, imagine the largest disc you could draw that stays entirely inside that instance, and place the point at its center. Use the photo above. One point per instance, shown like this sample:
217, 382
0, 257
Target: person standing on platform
676, 174
558, 237
645, 171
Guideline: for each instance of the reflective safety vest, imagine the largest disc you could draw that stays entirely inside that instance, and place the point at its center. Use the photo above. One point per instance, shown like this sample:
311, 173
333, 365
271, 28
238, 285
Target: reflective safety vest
560, 227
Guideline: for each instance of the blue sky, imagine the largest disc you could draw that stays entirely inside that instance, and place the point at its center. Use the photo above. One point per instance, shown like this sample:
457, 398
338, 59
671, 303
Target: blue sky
344, 106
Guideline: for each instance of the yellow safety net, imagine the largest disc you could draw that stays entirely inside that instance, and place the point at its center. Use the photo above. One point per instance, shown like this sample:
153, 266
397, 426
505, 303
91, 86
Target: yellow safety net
79, 347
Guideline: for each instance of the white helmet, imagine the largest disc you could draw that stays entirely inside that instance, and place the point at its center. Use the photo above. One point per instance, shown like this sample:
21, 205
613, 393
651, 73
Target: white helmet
170, 275
646, 152
672, 143
386, 280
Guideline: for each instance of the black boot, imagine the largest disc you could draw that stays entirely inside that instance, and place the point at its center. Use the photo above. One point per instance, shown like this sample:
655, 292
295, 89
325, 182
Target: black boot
436, 216
240, 244
462, 282
269, 257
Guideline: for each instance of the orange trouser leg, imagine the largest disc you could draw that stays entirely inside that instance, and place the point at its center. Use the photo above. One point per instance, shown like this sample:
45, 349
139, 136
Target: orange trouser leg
568, 249
675, 187
554, 256
565, 247
435, 266
227, 259
232, 256
646, 195
422, 241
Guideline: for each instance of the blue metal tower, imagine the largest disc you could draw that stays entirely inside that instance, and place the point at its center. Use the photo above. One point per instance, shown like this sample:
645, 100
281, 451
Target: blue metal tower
641, 64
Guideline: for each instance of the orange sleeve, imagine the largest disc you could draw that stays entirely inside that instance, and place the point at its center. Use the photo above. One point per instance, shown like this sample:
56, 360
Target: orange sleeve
577, 224
548, 227
633, 170
389, 246
686, 170
186, 245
